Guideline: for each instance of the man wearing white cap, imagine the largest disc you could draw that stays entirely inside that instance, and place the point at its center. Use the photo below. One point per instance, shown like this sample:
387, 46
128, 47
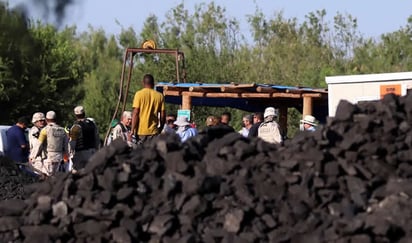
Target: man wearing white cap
122, 128
184, 130
53, 141
39, 121
269, 129
84, 139
308, 123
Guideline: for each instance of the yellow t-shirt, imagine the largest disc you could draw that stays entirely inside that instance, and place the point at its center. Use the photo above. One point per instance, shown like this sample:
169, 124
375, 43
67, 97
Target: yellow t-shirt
151, 103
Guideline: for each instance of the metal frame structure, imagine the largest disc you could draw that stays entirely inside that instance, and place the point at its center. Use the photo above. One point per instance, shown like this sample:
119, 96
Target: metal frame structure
128, 62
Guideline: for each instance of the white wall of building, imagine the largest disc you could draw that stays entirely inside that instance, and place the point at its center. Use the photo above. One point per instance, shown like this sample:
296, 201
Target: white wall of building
355, 88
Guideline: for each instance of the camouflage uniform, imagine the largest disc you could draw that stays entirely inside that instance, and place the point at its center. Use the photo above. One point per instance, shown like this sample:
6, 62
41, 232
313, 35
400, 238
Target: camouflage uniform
34, 133
54, 142
269, 130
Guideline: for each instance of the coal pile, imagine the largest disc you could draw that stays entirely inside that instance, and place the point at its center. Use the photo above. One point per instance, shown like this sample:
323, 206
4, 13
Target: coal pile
13, 180
350, 181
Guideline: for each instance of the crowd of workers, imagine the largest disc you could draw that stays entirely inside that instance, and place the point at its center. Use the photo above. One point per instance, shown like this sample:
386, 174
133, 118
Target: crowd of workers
148, 119
50, 146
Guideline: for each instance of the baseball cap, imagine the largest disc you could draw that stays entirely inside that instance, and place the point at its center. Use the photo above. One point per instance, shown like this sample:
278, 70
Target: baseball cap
79, 110
51, 115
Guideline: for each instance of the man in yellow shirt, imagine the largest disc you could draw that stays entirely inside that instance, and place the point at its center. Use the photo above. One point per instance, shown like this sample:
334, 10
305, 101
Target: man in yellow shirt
148, 116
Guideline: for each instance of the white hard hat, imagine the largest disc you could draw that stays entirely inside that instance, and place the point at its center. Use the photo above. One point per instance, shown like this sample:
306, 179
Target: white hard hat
270, 111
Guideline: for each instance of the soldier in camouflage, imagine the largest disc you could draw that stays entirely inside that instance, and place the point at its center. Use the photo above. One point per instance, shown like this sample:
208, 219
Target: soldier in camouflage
84, 139
53, 141
39, 121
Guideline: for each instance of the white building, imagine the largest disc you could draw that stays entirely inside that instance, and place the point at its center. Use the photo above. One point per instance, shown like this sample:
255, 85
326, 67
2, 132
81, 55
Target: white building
355, 88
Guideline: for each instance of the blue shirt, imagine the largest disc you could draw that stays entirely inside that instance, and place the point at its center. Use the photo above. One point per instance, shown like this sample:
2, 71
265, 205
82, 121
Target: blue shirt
187, 133
15, 139
311, 129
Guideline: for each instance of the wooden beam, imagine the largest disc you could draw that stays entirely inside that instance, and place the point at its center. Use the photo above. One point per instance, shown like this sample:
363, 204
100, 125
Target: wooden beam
313, 95
230, 89
307, 106
186, 102
256, 95
261, 89
223, 95
286, 95
172, 93
242, 85
194, 94
174, 88
212, 94
198, 89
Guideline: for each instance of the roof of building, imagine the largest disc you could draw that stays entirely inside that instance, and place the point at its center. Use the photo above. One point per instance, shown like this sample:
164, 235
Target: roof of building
248, 97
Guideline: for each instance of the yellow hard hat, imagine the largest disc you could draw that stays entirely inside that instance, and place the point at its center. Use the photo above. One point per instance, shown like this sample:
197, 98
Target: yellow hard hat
149, 44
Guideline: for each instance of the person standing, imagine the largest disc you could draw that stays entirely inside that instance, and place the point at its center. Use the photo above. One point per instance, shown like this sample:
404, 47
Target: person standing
247, 122
53, 141
184, 130
269, 129
308, 123
122, 129
170, 127
84, 139
212, 121
39, 122
257, 120
148, 117
17, 145
225, 119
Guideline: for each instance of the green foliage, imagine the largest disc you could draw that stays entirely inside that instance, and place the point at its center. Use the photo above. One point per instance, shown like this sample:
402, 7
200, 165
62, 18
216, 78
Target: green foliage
38, 68
102, 57
61, 71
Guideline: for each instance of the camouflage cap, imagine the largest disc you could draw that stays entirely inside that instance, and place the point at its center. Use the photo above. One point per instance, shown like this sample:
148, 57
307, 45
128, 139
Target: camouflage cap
38, 116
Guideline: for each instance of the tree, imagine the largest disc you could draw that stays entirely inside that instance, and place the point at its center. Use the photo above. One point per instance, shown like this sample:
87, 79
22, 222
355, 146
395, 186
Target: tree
102, 55
39, 70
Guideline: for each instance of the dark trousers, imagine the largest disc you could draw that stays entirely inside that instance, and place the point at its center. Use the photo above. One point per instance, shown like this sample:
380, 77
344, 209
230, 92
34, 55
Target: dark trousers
145, 138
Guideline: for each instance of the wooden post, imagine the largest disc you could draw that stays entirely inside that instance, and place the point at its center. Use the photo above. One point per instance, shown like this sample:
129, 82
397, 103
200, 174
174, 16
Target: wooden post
283, 119
186, 102
307, 106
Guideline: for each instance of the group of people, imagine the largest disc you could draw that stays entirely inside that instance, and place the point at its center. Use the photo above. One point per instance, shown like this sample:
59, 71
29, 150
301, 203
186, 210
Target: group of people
265, 126
145, 121
262, 125
148, 119
49, 147
49, 143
